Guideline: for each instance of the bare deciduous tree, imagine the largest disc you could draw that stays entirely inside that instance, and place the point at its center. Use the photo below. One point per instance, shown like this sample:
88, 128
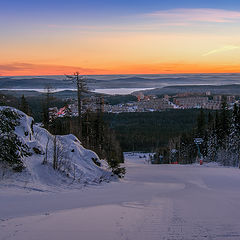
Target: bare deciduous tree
81, 86
48, 91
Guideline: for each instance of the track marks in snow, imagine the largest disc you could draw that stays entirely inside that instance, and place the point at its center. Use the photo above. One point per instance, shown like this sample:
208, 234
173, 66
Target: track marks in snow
152, 203
143, 220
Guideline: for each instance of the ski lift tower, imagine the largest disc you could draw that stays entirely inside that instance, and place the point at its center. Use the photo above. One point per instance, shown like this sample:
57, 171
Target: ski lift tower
199, 141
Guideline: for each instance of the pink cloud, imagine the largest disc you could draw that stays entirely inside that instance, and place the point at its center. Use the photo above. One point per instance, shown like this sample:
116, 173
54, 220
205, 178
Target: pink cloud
197, 15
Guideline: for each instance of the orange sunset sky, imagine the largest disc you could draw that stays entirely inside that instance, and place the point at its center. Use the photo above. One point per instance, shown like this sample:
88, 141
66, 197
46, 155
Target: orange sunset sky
37, 40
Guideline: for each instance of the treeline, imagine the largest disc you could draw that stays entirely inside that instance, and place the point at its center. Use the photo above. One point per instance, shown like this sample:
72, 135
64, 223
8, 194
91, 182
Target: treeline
119, 99
220, 132
31, 105
148, 131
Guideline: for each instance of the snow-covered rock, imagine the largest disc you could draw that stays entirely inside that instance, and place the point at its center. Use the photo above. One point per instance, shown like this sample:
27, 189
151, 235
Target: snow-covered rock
76, 165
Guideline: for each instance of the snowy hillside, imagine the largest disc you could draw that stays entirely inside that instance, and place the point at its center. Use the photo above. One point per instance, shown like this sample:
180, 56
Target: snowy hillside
74, 165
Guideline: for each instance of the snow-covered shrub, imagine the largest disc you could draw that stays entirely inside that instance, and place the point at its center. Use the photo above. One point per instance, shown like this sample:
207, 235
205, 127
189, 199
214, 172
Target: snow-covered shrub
48, 160
12, 149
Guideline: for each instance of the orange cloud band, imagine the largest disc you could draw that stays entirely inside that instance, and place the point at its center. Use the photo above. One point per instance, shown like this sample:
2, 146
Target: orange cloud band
24, 69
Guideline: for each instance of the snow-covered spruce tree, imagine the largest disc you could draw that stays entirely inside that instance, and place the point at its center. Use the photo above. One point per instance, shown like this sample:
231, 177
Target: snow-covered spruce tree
224, 124
218, 136
233, 147
12, 149
223, 137
211, 146
210, 140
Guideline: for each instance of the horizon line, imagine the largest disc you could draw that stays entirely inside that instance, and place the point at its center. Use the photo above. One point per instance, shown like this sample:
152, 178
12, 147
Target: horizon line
197, 73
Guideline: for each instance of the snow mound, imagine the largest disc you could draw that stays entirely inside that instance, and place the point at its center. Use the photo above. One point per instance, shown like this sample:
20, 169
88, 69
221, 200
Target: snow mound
75, 166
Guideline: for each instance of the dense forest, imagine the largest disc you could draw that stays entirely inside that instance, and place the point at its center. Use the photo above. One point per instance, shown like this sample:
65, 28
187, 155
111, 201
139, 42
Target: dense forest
220, 135
151, 130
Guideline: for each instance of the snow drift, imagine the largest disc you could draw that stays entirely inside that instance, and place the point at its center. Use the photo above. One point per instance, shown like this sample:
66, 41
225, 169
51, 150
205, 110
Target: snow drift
54, 161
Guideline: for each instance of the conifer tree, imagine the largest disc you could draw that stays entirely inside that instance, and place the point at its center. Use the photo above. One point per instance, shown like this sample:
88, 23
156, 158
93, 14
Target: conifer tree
201, 124
210, 124
232, 146
12, 149
224, 123
24, 107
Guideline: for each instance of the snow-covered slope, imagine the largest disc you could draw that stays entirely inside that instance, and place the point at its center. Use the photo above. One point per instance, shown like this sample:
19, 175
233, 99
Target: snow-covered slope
153, 202
76, 165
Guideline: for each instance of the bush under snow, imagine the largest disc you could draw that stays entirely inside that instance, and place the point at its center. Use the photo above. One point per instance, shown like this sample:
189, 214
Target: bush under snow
50, 160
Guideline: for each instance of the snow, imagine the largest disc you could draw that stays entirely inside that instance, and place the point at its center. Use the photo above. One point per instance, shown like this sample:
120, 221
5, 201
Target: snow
170, 202
76, 167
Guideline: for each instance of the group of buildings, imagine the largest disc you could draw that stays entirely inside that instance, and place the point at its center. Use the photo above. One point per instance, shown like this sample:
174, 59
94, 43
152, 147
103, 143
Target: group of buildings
205, 101
91, 104
149, 103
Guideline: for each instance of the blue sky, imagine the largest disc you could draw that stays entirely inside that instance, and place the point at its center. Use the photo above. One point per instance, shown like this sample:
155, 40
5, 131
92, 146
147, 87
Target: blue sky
18, 11
20, 7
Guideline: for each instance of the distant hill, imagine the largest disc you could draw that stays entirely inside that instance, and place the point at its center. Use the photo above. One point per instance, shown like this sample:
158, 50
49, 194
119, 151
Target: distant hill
32, 83
233, 89
41, 83
117, 81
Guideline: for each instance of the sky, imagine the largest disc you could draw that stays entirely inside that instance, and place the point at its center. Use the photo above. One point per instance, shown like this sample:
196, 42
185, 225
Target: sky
58, 37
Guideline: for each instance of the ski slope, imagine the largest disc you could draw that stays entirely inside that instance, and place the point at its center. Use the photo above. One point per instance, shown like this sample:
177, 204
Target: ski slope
170, 202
